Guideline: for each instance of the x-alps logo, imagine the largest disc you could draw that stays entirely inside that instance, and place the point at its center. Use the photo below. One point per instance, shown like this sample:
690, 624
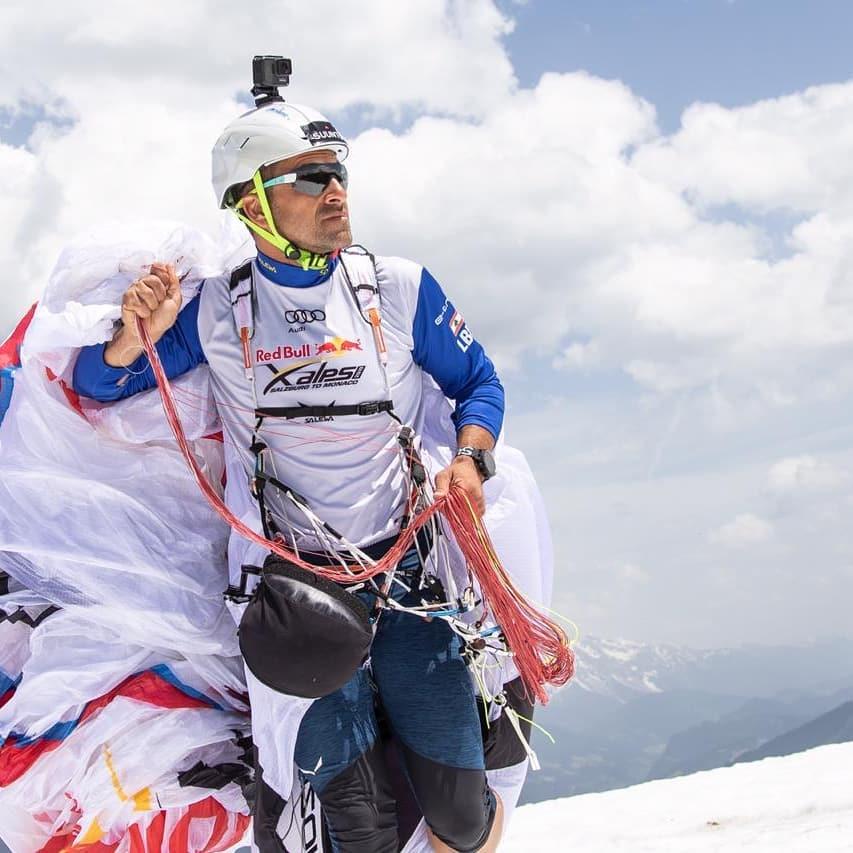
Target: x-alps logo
459, 330
316, 372
301, 317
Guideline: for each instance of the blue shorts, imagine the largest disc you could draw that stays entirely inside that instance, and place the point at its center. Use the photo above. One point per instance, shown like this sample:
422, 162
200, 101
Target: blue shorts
423, 686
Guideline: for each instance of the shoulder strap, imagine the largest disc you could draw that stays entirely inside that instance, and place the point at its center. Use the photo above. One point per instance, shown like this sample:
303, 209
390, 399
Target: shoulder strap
362, 278
241, 286
239, 274
364, 287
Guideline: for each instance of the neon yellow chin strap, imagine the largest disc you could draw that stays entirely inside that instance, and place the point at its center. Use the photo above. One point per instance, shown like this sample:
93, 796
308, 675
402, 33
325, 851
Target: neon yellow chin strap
307, 260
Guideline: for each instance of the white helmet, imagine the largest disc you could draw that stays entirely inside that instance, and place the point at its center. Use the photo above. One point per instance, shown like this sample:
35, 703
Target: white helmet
266, 135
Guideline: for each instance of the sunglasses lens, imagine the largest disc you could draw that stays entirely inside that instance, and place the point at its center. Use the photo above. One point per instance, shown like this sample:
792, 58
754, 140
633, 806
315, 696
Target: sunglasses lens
314, 179
306, 186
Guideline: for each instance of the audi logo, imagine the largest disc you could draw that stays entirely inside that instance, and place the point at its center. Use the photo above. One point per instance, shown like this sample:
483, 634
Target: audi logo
303, 316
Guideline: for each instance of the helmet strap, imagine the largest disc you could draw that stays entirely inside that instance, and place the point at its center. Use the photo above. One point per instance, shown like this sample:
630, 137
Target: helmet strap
307, 260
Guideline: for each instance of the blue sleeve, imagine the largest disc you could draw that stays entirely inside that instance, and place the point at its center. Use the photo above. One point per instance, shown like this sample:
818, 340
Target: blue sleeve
179, 350
446, 350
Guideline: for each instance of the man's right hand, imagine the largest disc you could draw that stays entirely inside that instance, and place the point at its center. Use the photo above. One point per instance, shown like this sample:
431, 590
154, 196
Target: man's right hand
155, 298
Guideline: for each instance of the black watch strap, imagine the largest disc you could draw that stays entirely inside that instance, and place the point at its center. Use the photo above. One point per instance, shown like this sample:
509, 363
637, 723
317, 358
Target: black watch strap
483, 459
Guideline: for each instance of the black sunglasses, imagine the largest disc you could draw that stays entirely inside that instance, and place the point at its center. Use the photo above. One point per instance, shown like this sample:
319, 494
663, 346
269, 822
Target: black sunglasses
312, 178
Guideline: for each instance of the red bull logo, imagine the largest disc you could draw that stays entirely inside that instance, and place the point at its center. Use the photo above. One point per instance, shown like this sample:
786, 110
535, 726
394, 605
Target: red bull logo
282, 351
337, 346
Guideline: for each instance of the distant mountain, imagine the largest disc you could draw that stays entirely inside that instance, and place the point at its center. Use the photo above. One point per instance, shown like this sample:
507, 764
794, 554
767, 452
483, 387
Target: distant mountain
716, 743
623, 668
614, 725
836, 726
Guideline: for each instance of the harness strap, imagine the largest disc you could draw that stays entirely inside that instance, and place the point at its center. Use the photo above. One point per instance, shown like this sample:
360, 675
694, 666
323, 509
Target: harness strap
240, 273
240, 286
263, 479
374, 407
367, 299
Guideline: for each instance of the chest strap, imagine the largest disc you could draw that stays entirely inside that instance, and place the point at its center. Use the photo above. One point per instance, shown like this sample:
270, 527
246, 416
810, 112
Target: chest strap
374, 407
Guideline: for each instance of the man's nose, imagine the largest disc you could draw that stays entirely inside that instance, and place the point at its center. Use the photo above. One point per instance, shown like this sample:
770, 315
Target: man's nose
334, 191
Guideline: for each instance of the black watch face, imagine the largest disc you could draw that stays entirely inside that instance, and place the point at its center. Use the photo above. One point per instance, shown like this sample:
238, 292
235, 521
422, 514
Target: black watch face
486, 464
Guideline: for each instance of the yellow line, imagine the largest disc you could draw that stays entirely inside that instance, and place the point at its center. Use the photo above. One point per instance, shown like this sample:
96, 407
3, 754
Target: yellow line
142, 801
108, 758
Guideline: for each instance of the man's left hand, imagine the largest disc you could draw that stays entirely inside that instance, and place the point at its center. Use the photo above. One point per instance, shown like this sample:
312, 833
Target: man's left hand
462, 473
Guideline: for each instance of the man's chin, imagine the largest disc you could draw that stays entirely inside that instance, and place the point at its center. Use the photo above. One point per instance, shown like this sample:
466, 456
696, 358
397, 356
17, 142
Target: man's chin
339, 239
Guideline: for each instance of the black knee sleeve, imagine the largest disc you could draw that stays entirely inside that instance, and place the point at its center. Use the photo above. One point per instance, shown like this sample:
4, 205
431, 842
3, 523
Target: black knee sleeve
359, 807
457, 804
502, 746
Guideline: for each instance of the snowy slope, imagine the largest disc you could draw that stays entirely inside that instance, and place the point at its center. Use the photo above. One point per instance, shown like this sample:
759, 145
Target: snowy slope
800, 803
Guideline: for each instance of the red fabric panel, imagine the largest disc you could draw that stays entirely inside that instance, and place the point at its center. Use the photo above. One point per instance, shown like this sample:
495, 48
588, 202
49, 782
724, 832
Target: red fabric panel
146, 687
9, 349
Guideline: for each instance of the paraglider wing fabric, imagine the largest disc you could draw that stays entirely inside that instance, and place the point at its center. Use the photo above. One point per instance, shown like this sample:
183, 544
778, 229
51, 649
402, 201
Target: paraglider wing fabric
118, 659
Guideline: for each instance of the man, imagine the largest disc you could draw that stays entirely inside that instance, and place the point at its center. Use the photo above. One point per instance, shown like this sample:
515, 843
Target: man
332, 351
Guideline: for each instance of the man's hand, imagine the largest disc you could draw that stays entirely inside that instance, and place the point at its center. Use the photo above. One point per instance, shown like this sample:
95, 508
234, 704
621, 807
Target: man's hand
462, 472
156, 298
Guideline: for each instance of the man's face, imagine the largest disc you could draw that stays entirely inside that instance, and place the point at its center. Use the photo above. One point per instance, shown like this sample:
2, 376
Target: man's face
317, 223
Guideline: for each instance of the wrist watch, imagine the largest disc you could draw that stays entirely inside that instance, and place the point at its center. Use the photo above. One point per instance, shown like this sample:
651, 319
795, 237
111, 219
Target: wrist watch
483, 459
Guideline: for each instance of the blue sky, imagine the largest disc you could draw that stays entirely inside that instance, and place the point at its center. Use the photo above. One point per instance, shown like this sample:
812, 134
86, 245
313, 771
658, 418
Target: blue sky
679, 51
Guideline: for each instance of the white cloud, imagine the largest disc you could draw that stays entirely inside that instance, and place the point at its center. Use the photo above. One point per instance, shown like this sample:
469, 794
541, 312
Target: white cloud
804, 473
148, 87
633, 573
578, 356
746, 529
438, 56
587, 224
780, 152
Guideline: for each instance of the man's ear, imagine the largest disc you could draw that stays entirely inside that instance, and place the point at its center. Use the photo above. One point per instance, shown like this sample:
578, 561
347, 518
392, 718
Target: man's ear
251, 207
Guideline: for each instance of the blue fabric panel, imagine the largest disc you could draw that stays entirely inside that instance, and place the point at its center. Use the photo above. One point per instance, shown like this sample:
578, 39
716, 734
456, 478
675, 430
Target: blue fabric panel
7, 382
446, 350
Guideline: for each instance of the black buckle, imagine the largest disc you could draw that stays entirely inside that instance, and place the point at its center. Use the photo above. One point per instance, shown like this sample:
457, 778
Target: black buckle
238, 593
406, 437
372, 408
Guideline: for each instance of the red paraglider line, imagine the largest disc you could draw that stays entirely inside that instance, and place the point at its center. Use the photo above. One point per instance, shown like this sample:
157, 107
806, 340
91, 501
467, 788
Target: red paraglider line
540, 647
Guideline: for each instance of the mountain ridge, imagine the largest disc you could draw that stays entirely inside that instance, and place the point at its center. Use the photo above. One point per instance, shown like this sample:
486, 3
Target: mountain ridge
833, 727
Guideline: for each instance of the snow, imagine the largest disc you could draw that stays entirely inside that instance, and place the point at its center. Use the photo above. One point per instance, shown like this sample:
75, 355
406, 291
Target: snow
649, 684
621, 650
795, 804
